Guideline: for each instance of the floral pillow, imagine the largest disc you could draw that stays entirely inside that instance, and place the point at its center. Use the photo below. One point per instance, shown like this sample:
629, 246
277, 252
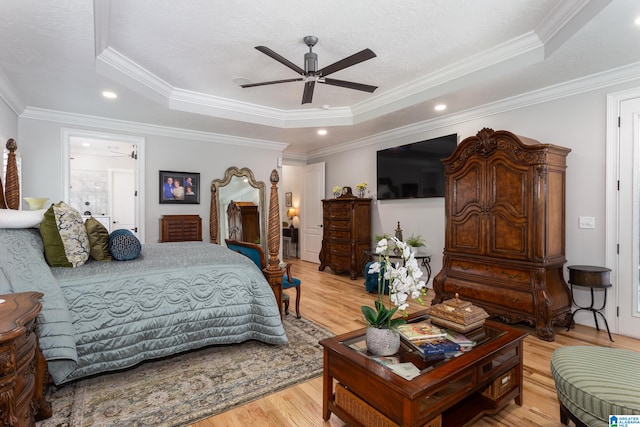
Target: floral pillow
65, 239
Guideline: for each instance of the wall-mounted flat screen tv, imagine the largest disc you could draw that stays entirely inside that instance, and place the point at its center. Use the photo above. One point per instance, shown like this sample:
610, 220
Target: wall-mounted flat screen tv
414, 170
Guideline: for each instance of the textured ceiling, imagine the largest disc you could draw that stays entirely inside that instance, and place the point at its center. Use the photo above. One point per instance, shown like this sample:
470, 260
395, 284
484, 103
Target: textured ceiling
173, 63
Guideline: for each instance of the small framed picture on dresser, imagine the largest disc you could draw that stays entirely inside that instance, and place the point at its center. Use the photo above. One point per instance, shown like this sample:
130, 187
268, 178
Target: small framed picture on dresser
179, 187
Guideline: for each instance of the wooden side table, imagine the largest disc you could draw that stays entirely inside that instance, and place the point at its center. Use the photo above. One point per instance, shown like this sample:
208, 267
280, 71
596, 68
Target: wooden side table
23, 369
594, 278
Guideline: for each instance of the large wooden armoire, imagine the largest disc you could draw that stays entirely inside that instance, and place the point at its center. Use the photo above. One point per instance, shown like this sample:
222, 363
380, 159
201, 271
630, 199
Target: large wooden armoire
505, 229
346, 222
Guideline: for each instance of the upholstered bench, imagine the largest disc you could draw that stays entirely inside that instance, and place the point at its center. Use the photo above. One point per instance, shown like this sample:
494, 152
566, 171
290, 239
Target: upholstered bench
595, 382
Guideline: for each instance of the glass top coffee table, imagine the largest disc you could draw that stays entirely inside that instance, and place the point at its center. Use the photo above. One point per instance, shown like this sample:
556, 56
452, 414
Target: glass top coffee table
361, 389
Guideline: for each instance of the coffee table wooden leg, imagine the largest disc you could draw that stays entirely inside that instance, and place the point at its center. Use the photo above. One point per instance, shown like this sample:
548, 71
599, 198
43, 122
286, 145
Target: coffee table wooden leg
327, 387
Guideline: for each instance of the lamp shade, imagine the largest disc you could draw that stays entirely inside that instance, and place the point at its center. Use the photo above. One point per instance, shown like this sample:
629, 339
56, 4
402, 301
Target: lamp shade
291, 212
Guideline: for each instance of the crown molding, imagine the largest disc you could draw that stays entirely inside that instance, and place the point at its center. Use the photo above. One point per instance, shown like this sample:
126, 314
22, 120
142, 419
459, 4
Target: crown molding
132, 127
590, 83
527, 49
9, 94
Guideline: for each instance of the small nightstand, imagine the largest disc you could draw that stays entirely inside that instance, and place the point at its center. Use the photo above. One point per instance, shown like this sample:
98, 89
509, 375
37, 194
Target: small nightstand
594, 278
23, 369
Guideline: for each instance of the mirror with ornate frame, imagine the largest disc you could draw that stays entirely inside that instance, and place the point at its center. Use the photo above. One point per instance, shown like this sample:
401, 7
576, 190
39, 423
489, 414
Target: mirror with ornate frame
236, 186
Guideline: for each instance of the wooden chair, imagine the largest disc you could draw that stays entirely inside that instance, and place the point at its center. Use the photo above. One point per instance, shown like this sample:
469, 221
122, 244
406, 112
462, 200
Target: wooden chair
256, 254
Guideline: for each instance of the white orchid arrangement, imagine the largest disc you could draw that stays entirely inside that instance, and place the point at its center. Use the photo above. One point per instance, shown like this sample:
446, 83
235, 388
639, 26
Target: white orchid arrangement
404, 283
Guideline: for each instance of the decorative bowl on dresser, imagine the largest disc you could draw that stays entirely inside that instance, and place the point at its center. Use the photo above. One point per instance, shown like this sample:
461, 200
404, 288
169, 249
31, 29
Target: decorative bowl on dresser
23, 369
505, 229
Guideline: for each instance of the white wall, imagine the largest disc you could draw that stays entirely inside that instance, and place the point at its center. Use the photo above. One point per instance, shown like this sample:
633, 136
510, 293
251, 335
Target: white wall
42, 166
577, 122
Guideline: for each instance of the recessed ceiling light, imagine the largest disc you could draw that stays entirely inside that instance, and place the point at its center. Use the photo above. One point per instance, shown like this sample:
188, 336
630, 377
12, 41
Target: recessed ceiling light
637, 21
440, 107
109, 94
241, 81
322, 131
86, 144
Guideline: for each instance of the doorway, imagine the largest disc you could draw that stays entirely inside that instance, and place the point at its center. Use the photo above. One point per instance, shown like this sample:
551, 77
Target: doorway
103, 176
623, 208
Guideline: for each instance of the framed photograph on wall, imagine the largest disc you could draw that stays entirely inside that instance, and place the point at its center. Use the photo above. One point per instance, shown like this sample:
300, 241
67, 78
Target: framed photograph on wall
179, 187
287, 199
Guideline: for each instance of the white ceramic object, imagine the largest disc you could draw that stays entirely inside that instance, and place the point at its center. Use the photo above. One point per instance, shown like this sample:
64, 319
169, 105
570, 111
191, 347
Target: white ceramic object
36, 203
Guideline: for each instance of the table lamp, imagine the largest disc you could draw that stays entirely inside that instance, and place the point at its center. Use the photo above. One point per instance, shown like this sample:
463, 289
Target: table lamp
291, 213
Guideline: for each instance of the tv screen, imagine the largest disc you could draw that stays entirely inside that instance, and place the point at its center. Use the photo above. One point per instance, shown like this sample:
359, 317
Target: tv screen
414, 170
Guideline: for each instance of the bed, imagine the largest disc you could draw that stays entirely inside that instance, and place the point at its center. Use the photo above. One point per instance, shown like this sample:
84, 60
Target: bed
105, 316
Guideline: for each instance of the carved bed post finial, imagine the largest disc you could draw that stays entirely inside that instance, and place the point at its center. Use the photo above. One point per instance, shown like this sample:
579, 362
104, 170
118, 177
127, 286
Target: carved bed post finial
273, 234
12, 189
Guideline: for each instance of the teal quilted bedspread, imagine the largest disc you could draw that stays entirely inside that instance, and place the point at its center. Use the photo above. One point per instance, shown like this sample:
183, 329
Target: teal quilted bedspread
105, 316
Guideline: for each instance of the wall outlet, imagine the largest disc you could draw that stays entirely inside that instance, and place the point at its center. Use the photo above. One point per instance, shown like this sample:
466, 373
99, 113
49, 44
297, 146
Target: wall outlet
587, 222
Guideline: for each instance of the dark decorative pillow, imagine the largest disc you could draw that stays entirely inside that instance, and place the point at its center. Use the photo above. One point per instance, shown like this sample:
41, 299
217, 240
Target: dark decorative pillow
98, 240
124, 245
65, 239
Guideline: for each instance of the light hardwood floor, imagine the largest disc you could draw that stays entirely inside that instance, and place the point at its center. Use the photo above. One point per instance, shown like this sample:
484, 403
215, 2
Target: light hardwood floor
334, 301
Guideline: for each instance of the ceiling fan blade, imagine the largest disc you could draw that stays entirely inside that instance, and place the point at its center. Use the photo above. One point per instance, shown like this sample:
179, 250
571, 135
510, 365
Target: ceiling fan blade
307, 95
354, 59
350, 85
281, 59
299, 79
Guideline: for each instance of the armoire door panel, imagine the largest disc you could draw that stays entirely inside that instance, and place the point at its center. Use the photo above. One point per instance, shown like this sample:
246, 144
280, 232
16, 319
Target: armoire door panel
510, 187
467, 233
508, 238
468, 186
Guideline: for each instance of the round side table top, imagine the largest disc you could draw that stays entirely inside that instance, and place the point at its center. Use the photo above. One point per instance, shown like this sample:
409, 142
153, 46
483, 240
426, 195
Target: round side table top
589, 276
589, 268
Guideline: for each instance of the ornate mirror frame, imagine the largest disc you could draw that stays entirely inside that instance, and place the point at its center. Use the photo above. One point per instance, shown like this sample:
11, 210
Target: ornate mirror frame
217, 184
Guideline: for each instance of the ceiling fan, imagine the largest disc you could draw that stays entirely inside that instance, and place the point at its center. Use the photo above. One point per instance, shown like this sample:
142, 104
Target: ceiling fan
311, 74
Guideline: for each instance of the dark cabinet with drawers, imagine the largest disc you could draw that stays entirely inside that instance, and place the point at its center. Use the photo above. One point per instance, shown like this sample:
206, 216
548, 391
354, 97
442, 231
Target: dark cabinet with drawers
346, 223
180, 228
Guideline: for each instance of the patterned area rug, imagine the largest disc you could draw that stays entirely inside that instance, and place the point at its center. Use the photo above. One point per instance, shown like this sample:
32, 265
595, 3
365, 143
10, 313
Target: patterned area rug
186, 388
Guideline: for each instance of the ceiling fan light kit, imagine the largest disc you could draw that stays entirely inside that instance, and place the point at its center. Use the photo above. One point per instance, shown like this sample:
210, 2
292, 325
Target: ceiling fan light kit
310, 75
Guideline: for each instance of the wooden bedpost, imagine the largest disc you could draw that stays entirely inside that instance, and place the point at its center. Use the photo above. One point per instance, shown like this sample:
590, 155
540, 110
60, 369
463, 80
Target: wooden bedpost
12, 182
213, 219
273, 233
273, 272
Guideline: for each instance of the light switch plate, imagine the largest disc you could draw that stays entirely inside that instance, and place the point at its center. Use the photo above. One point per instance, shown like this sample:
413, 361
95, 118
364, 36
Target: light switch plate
587, 222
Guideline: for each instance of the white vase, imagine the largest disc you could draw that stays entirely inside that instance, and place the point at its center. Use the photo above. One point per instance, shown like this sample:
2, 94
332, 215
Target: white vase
36, 203
382, 342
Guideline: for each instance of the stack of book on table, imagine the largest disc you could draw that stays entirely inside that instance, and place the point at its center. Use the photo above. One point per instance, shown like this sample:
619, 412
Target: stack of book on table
433, 342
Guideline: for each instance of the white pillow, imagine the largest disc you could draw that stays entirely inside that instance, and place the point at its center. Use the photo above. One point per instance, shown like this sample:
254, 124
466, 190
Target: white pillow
10, 218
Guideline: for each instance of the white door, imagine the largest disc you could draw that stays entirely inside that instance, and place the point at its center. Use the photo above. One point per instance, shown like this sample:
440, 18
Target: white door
122, 190
629, 219
311, 233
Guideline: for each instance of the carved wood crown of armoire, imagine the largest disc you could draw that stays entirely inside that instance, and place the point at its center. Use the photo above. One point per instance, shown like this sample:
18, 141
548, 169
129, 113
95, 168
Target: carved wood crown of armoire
505, 229
346, 222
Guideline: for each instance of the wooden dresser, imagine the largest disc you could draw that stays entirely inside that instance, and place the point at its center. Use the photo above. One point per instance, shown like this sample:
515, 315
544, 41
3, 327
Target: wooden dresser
505, 229
346, 222
23, 370
180, 228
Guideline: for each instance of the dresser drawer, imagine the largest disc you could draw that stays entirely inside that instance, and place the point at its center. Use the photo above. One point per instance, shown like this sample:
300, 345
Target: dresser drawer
490, 295
510, 276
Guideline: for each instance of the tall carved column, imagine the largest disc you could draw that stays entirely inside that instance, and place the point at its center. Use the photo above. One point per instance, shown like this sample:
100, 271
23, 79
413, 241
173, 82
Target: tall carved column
213, 219
12, 183
273, 234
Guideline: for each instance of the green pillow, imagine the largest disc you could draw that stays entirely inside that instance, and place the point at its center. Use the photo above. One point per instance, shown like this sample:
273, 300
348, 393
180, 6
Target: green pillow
64, 237
98, 240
